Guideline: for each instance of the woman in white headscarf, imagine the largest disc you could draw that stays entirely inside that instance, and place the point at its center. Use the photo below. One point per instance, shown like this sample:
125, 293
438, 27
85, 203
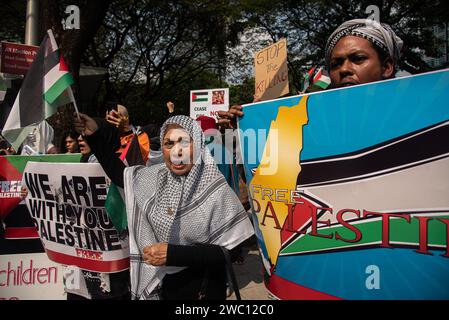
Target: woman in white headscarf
181, 214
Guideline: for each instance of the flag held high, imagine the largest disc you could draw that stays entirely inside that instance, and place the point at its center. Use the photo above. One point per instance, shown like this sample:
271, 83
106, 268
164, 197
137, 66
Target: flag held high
45, 87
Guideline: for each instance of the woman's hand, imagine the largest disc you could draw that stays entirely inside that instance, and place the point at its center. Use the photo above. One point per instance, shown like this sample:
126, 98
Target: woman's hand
118, 120
156, 254
170, 107
85, 125
227, 119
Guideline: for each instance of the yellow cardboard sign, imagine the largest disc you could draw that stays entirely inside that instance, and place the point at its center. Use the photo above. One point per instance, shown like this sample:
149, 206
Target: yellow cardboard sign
271, 71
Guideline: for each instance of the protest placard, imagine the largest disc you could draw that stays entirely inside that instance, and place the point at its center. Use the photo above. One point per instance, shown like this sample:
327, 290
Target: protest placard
11, 168
271, 71
66, 202
208, 102
352, 185
30, 276
16, 58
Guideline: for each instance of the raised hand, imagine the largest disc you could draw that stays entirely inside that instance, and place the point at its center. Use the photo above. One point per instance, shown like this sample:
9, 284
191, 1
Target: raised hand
85, 125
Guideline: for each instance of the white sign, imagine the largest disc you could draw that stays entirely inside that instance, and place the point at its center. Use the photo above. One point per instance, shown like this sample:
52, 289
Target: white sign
30, 276
208, 102
67, 203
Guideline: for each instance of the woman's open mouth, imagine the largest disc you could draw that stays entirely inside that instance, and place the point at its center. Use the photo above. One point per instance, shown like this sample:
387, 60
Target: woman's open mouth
178, 166
178, 163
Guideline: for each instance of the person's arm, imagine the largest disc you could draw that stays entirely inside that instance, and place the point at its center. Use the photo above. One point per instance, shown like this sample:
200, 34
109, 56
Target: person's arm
195, 255
200, 255
227, 119
103, 141
169, 112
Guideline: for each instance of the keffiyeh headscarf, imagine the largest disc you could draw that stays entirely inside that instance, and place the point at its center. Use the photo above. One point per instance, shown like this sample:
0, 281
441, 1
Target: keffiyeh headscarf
380, 35
161, 206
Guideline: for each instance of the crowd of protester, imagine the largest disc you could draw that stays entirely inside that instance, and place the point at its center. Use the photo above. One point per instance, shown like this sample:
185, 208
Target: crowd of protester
176, 178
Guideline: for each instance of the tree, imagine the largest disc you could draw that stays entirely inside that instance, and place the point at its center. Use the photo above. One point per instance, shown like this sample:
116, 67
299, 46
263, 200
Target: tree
308, 23
156, 48
73, 42
13, 15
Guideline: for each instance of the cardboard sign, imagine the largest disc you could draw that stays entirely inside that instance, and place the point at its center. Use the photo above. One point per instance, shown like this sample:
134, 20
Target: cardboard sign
271, 71
208, 102
17, 58
350, 192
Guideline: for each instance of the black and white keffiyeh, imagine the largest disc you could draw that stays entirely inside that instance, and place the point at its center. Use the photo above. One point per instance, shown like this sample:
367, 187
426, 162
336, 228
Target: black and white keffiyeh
161, 206
379, 34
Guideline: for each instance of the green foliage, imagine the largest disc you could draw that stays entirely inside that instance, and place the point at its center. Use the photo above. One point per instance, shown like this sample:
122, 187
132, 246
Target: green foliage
157, 51
12, 28
242, 93
308, 23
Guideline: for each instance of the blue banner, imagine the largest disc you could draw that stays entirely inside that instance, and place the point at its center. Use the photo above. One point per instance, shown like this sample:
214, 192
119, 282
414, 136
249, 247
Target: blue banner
350, 190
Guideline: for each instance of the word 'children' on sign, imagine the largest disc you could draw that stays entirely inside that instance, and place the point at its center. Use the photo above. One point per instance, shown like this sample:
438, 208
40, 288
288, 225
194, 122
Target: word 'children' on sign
208, 102
271, 71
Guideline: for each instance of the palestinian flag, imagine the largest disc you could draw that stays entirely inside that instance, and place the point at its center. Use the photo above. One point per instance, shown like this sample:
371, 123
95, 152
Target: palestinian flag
132, 154
200, 96
321, 79
11, 169
307, 78
45, 87
115, 204
115, 207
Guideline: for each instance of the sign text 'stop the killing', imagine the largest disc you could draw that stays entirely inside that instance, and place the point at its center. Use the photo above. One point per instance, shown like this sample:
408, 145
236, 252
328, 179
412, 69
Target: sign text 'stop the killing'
271, 71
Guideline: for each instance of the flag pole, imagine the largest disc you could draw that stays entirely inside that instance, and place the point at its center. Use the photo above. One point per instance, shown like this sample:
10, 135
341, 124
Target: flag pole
32, 20
55, 47
74, 103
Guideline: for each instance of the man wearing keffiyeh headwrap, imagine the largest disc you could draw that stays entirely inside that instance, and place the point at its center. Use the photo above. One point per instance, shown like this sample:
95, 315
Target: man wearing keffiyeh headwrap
362, 51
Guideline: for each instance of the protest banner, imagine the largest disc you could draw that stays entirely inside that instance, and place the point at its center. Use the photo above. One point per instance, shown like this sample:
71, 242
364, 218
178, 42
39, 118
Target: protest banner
66, 202
30, 276
11, 168
16, 58
208, 102
271, 70
350, 192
